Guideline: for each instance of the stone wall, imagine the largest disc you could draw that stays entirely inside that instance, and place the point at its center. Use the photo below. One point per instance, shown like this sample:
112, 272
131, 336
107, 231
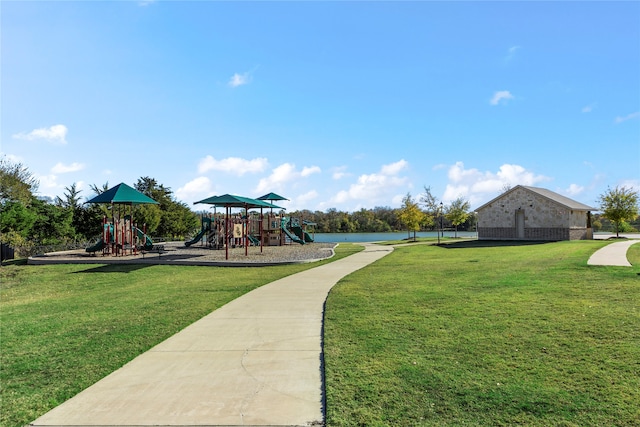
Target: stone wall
544, 219
580, 234
540, 233
496, 233
538, 211
546, 233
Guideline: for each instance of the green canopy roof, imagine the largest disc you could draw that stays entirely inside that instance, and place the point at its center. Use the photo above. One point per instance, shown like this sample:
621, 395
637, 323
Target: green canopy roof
122, 194
272, 196
231, 201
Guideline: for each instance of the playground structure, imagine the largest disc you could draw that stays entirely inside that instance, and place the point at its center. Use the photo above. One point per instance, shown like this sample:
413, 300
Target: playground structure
248, 228
255, 230
296, 230
121, 234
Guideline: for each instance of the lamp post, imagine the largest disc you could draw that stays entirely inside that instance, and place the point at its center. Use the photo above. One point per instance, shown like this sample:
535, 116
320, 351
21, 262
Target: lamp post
440, 215
475, 217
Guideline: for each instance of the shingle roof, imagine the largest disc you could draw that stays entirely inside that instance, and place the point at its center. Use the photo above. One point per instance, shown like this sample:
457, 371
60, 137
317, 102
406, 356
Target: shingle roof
558, 198
570, 203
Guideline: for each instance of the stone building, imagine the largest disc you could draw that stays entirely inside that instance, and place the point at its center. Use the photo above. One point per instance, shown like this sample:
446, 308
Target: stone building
531, 213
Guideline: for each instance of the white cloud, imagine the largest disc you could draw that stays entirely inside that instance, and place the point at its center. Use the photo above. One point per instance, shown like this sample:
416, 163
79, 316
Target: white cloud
574, 189
12, 157
394, 168
501, 95
511, 53
283, 174
49, 185
196, 189
62, 168
306, 171
339, 172
233, 165
631, 183
628, 117
280, 175
375, 187
302, 199
589, 108
239, 79
55, 133
475, 185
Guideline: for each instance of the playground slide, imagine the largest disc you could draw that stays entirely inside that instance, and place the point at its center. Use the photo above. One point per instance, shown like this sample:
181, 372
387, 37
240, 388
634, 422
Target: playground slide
302, 234
206, 227
254, 241
196, 239
97, 247
148, 243
291, 235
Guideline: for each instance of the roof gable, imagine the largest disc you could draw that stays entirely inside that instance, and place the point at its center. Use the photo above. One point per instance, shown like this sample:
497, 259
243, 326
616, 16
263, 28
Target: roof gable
548, 194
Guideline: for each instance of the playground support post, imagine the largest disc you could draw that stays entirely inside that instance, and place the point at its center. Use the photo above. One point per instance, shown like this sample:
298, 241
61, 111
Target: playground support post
260, 228
226, 232
105, 235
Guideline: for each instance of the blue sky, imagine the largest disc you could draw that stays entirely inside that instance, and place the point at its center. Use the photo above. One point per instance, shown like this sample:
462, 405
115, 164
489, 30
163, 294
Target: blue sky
343, 105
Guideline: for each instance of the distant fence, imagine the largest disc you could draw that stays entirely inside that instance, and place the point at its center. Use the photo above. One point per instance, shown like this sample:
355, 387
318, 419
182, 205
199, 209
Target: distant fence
6, 252
9, 252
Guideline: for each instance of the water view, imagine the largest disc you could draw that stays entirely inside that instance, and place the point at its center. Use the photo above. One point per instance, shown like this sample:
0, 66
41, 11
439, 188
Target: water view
376, 237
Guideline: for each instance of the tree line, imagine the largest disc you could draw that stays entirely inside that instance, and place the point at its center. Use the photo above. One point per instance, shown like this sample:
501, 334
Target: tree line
29, 222
426, 213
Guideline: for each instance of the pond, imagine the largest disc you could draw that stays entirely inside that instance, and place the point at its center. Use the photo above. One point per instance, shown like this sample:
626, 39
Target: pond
377, 237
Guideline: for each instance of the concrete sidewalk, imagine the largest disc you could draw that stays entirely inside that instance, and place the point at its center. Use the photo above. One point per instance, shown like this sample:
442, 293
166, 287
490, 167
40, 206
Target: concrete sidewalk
255, 361
614, 254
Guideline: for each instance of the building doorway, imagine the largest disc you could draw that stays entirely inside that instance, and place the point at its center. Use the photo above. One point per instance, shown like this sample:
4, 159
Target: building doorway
520, 224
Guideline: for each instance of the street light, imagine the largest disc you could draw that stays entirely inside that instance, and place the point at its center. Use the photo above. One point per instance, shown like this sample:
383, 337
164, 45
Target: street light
440, 231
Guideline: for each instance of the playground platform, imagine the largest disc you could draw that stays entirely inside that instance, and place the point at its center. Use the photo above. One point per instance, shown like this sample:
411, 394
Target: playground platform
176, 253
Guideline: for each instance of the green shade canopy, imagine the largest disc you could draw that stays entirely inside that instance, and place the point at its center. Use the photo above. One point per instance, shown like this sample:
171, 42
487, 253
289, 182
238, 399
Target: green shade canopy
231, 201
272, 196
122, 194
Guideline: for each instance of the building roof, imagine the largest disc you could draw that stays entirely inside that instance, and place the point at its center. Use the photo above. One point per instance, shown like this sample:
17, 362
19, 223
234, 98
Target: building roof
271, 196
232, 201
122, 194
548, 194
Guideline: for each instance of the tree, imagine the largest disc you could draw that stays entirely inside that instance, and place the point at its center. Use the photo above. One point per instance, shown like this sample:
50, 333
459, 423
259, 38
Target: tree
386, 217
431, 204
411, 215
619, 205
52, 225
17, 185
169, 218
86, 220
16, 218
457, 213
16, 182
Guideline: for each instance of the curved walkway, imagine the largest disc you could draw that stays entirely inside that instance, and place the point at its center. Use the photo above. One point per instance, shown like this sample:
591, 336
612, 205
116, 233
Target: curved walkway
255, 361
614, 254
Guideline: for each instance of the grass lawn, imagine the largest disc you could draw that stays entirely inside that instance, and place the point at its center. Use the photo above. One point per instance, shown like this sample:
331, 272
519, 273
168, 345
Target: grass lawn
64, 327
485, 335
